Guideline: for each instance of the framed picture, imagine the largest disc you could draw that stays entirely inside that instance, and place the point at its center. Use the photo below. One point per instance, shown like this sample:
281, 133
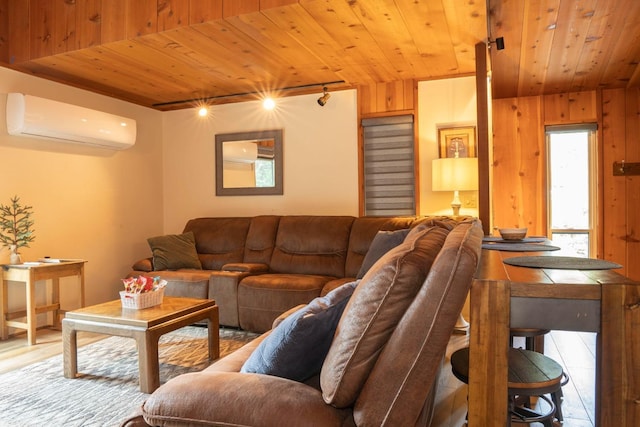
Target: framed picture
460, 139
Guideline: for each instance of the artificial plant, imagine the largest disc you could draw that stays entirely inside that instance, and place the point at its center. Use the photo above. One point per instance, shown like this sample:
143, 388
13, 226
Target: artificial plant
15, 224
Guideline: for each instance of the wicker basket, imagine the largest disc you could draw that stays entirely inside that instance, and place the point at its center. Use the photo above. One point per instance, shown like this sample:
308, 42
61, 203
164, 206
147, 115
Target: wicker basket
143, 300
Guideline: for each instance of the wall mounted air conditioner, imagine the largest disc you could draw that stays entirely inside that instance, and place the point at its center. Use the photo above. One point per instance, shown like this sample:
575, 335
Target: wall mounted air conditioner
43, 118
240, 151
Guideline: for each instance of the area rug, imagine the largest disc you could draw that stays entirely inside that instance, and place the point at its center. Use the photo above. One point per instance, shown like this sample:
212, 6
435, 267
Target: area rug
107, 390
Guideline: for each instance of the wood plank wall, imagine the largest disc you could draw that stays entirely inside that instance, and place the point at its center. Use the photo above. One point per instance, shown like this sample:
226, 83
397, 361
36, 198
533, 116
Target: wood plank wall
518, 146
62, 26
519, 174
621, 213
386, 98
4, 29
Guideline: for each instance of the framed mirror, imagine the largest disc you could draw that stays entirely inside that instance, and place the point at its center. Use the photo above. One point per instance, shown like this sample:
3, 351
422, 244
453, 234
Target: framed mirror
249, 163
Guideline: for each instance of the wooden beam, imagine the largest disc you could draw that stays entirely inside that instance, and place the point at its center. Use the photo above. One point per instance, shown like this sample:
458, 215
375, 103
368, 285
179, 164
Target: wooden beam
482, 100
4, 31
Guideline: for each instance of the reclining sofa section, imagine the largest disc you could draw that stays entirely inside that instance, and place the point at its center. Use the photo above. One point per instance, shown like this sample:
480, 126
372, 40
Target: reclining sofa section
256, 268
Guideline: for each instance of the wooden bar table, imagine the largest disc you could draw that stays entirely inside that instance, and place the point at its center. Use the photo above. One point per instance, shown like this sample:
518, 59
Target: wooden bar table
29, 274
601, 301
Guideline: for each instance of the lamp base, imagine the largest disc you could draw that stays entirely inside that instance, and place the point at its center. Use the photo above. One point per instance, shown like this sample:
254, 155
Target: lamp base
455, 203
462, 326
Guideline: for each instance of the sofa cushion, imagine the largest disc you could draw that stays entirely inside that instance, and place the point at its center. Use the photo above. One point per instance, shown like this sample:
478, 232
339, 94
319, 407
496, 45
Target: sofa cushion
381, 244
263, 297
296, 348
311, 245
219, 241
174, 251
374, 310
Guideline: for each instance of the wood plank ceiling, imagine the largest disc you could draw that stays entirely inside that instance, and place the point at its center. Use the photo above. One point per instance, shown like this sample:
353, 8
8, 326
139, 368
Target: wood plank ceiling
560, 46
168, 54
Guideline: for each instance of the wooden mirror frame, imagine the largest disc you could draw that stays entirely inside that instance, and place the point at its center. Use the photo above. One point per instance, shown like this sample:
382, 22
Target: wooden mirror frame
276, 136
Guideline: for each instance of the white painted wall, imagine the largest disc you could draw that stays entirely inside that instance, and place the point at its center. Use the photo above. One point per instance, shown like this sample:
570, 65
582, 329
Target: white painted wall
102, 205
320, 150
450, 101
320, 159
89, 203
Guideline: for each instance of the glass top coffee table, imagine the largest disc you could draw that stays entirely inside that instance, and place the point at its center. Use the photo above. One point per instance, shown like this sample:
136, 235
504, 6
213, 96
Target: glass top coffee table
145, 326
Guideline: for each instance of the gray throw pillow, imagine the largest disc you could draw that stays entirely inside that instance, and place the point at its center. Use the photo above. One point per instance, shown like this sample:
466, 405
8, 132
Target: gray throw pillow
174, 251
382, 243
296, 348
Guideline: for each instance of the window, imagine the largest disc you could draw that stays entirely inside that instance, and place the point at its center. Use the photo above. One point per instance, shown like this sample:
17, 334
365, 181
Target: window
389, 166
265, 165
571, 177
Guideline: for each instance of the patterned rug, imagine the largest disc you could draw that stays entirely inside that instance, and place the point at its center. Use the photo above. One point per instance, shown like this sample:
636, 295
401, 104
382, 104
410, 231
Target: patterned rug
107, 390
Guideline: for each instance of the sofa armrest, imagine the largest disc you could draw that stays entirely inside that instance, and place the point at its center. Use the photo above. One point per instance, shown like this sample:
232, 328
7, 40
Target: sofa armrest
232, 398
145, 264
245, 267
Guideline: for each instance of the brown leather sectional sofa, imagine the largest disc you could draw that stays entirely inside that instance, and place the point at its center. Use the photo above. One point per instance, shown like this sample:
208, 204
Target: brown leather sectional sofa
384, 358
258, 267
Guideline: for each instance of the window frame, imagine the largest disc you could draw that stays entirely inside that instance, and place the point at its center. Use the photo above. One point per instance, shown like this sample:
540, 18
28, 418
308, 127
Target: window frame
591, 231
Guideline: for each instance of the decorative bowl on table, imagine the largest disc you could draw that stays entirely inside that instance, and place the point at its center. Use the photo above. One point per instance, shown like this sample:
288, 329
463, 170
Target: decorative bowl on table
512, 233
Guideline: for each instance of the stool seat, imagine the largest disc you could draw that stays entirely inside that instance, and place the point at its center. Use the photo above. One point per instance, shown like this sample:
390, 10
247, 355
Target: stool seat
530, 374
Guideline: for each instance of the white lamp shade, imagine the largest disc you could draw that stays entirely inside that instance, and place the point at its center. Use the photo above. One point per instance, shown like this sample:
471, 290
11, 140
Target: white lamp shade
454, 174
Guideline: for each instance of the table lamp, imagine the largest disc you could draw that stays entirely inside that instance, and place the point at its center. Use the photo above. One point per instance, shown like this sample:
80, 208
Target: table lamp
455, 174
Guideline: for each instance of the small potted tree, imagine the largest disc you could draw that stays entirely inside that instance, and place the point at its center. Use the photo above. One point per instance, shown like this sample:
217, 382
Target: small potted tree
16, 227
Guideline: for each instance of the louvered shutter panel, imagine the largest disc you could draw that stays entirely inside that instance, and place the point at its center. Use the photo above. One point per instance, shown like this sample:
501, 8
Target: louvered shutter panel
389, 176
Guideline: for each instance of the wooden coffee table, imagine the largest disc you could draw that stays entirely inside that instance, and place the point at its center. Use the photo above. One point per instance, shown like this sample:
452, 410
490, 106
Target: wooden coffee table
145, 326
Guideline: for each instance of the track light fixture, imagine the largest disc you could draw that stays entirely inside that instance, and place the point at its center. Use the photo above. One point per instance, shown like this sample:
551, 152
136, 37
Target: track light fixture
499, 43
324, 98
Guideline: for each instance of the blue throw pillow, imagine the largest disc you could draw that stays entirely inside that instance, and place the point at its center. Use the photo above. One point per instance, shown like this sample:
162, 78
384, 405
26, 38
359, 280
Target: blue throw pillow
382, 243
296, 348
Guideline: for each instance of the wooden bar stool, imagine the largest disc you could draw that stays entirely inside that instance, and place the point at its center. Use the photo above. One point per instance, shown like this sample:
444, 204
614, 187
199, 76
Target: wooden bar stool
530, 374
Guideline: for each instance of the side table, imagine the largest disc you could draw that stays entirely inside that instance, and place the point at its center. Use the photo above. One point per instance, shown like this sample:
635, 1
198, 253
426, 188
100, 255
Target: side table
29, 274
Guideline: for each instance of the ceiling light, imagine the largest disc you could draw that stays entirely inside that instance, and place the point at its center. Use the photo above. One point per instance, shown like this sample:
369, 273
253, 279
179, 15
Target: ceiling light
324, 98
203, 111
243, 94
268, 104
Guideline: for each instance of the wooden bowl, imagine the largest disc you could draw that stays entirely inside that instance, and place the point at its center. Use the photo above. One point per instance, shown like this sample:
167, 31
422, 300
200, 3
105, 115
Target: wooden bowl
513, 233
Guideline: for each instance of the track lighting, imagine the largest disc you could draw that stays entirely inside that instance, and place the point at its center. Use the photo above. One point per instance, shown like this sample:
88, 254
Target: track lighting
324, 98
499, 43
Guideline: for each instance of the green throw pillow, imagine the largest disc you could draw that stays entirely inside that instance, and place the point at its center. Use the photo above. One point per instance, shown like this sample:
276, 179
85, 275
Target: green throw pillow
174, 251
